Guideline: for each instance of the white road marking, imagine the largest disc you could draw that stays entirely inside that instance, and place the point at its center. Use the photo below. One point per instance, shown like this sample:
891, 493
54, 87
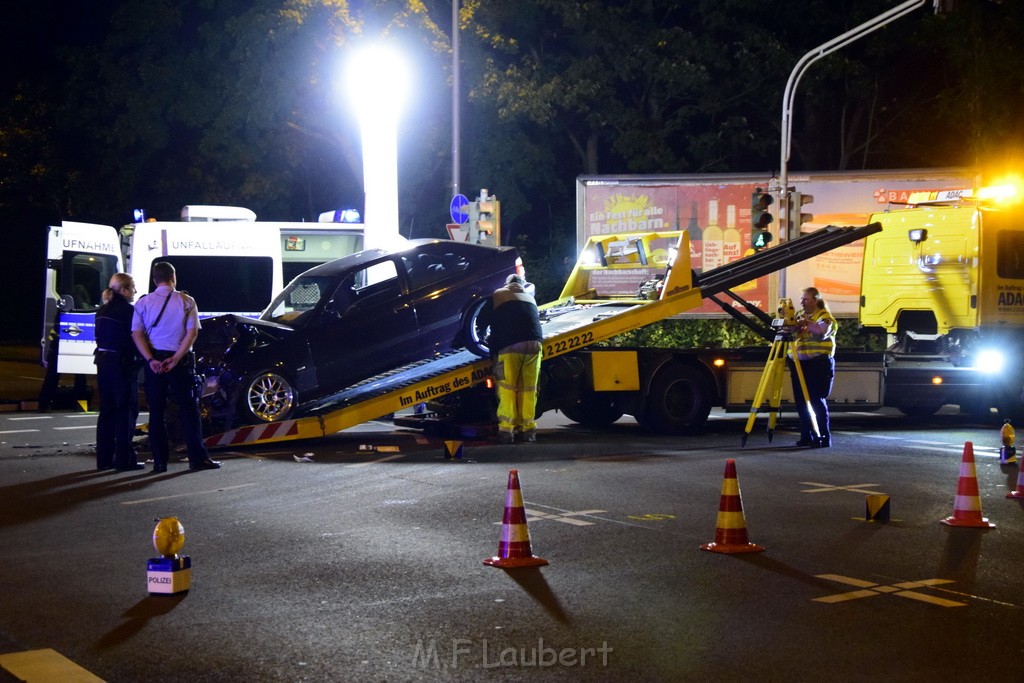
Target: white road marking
396, 456
58, 429
825, 488
567, 517
19, 431
185, 495
34, 417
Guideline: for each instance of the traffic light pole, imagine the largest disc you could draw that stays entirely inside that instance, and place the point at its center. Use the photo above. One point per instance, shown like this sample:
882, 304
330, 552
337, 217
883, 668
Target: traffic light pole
794, 79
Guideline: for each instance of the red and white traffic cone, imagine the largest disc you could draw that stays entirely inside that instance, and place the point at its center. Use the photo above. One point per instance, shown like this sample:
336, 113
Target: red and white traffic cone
514, 546
731, 527
967, 506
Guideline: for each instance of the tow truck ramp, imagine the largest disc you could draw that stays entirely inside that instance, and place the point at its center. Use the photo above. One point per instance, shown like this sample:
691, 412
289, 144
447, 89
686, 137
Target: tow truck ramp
567, 327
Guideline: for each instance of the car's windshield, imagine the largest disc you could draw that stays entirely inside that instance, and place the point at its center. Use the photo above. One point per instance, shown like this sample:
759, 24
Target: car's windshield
293, 305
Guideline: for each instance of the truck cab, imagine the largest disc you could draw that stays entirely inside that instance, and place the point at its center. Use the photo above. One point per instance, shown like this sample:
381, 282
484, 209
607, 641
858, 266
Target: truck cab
944, 279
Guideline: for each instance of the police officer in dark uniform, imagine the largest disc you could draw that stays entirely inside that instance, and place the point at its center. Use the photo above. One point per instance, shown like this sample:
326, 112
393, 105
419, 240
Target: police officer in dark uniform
116, 378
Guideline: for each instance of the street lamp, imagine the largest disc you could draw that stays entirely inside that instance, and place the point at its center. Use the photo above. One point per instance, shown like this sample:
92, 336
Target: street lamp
378, 84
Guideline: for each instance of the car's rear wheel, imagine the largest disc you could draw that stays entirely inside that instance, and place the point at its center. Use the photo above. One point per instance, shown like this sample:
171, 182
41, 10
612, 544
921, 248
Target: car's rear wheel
474, 333
267, 397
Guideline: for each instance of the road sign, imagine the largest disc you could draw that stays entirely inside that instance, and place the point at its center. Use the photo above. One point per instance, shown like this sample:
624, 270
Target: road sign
457, 233
460, 209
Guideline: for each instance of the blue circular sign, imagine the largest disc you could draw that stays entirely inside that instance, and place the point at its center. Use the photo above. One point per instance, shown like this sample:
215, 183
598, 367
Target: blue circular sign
460, 209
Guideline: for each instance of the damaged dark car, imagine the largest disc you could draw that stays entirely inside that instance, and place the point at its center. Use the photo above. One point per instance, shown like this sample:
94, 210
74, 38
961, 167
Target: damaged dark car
345, 321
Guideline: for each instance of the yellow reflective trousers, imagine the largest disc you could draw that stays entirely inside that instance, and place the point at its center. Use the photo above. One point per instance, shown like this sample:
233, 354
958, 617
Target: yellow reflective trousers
517, 375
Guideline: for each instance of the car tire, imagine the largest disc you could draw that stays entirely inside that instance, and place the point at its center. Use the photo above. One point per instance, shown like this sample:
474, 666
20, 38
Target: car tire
678, 400
266, 397
474, 334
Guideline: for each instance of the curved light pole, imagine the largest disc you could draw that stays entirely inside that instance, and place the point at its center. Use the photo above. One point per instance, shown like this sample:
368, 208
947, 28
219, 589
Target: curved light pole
378, 84
788, 96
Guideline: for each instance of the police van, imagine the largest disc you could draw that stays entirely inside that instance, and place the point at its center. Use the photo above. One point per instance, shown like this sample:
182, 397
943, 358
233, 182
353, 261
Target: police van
226, 259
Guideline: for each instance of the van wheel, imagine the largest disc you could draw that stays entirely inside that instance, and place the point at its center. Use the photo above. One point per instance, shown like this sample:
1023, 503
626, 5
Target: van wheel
592, 410
266, 397
474, 333
678, 400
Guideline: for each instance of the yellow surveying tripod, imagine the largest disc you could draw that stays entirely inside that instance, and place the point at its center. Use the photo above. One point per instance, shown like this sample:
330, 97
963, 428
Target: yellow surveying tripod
770, 384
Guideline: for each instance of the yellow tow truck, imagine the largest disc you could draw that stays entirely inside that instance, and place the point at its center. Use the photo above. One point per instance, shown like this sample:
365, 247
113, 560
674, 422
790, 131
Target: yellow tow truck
945, 280
666, 392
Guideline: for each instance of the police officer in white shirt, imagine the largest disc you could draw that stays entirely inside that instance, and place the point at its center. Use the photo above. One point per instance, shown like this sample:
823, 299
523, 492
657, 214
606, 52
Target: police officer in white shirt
166, 323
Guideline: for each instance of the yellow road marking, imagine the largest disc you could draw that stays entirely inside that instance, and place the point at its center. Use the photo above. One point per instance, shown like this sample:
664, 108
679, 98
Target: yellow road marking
42, 666
870, 588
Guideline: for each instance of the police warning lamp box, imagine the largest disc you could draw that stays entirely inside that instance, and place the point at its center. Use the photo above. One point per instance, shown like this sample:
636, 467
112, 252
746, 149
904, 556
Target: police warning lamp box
170, 573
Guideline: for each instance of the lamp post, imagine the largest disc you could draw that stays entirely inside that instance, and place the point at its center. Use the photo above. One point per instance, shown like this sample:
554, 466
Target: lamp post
378, 84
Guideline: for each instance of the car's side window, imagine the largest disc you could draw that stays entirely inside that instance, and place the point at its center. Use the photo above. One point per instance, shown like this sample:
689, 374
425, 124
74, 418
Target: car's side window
426, 268
376, 284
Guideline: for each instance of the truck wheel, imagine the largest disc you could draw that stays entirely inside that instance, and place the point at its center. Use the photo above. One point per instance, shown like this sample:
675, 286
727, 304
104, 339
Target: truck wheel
919, 409
266, 397
592, 410
678, 401
474, 334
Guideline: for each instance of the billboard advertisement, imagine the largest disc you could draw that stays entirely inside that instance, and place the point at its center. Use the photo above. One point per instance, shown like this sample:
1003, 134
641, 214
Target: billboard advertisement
716, 210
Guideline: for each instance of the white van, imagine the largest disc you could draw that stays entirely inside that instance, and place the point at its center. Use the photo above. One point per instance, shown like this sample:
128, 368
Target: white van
230, 267
227, 260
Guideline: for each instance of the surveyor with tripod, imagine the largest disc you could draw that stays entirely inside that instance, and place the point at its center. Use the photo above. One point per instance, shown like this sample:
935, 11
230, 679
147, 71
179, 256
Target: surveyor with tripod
814, 344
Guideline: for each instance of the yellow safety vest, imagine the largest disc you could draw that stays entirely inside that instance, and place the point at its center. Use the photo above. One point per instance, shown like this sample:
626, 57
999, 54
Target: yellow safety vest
808, 346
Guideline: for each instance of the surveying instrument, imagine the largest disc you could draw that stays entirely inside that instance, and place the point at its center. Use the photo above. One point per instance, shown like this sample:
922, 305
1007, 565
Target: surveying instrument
770, 385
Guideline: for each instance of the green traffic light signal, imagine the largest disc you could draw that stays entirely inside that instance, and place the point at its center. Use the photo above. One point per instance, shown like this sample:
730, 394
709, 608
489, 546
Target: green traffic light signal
759, 239
760, 219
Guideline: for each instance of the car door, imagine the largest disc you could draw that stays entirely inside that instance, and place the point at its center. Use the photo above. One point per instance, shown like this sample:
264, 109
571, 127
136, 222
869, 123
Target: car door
441, 287
367, 327
80, 258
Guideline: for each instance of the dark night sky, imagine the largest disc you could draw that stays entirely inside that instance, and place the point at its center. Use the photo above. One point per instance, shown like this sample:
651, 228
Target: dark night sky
30, 34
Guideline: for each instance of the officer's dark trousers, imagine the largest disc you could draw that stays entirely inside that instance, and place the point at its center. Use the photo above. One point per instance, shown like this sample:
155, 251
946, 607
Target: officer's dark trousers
179, 383
115, 426
818, 373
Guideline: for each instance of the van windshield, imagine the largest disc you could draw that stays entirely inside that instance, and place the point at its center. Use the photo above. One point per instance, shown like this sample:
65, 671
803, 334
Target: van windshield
226, 284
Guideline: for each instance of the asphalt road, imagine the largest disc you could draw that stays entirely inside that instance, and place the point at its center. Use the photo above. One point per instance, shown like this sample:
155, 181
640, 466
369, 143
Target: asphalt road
366, 565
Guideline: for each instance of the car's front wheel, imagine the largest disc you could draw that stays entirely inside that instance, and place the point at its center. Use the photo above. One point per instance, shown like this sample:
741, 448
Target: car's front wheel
266, 397
474, 332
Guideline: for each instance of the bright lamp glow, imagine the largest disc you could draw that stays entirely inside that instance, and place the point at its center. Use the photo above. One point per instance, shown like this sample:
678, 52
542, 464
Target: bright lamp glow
990, 361
377, 83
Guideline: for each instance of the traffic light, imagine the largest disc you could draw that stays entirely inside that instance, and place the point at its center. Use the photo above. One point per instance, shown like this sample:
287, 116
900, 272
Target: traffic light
485, 220
796, 217
760, 219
